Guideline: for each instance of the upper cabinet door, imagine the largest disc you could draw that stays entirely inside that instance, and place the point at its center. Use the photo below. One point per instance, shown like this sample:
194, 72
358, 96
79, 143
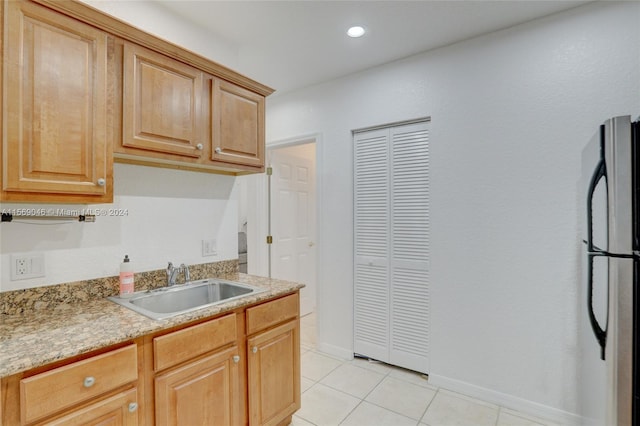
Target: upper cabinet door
56, 143
161, 104
237, 125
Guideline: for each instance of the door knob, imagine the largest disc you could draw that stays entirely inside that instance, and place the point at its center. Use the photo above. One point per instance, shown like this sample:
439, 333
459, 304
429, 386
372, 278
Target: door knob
311, 244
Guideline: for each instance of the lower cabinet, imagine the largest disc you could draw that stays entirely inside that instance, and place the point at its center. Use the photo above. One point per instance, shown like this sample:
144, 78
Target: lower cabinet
242, 367
274, 374
197, 374
273, 359
202, 392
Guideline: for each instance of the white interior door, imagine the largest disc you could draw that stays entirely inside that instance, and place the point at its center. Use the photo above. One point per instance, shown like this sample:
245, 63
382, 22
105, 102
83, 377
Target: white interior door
293, 223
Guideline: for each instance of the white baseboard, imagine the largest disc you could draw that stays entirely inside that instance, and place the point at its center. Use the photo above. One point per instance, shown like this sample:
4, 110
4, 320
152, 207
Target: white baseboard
335, 351
515, 403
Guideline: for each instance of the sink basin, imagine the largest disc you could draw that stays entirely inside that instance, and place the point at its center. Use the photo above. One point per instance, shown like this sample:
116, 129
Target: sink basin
170, 301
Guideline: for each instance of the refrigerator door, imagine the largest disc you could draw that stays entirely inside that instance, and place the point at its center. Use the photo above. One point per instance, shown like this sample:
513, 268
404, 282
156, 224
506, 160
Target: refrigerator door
619, 352
606, 320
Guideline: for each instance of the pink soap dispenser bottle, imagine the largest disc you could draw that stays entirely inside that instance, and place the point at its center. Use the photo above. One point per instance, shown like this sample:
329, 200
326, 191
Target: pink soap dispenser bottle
126, 278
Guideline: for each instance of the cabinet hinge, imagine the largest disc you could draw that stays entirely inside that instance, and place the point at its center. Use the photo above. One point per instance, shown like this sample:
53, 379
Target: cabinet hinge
269, 239
269, 171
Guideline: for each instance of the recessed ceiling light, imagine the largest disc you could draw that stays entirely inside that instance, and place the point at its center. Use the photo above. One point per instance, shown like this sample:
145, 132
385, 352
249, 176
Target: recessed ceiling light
355, 32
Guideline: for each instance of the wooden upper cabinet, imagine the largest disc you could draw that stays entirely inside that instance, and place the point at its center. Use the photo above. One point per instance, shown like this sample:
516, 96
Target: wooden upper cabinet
161, 104
56, 143
237, 117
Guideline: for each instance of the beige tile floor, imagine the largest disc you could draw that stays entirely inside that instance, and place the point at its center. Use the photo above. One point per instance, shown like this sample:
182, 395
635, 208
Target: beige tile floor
365, 393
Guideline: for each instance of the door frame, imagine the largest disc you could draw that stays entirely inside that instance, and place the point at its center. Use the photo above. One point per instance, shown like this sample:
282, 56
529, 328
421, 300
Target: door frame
257, 242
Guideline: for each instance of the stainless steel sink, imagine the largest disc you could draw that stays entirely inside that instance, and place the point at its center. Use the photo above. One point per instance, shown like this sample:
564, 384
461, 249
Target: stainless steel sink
166, 302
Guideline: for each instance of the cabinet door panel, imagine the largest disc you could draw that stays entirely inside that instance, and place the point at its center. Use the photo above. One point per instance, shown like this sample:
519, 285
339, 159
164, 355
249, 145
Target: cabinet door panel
162, 101
274, 374
55, 104
203, 392
116, 410
238, 125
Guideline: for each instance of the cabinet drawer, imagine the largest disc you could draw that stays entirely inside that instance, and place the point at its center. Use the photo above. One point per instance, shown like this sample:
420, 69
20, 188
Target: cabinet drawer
55, 390
271, 313
179, 346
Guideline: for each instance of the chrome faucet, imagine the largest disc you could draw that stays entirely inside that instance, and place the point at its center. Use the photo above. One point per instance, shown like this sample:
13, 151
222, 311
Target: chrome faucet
172, 274
187, 274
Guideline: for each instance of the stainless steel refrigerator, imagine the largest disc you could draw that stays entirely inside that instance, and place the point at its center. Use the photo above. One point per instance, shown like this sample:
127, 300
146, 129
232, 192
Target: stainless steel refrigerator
608, 384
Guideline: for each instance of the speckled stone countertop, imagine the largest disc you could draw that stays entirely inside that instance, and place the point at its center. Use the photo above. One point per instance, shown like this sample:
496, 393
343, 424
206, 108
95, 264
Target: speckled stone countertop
39, 337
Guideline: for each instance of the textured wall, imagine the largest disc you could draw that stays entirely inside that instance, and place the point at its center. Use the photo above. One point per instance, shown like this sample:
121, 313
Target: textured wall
511, 112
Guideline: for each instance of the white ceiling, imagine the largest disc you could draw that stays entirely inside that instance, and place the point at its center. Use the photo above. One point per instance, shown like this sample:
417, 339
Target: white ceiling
292, 44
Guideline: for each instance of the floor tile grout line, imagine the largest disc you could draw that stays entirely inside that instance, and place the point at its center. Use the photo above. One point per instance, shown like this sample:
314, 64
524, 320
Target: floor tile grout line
435, 394
354, 408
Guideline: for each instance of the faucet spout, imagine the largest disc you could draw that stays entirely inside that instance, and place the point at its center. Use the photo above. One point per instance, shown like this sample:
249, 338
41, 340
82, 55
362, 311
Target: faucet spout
172, 272
187, 274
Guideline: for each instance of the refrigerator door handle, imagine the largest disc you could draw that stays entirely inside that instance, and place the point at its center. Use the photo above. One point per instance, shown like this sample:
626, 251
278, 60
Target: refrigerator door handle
601, 335
600, 173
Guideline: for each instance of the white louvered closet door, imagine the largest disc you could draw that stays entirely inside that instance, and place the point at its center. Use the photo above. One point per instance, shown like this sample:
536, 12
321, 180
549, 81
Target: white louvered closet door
391, 318
371, 208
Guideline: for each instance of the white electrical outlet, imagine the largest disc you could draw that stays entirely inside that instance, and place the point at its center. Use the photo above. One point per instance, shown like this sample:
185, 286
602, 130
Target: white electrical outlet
27, 265
209, 247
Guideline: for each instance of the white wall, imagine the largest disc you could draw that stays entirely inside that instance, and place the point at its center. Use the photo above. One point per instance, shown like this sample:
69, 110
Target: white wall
511, 112
169, 211
151, 17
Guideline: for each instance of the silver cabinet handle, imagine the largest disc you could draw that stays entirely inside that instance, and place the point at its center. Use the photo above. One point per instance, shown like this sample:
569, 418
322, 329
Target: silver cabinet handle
133, 407
102, 182
199, 147
218, 150
89, 381
236, 358
255, 349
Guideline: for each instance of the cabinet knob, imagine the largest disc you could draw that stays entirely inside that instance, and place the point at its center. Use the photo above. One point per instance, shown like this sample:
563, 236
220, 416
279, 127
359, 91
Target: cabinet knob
89, 381
199, 147
133, 407
102, 182
254, 349
236, 358
218, 150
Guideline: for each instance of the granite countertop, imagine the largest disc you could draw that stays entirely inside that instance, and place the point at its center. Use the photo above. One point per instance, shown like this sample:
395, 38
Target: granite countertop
36, 338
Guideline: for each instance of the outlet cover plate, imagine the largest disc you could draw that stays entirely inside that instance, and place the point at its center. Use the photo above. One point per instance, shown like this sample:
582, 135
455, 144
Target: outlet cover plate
209, 247
27, 265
